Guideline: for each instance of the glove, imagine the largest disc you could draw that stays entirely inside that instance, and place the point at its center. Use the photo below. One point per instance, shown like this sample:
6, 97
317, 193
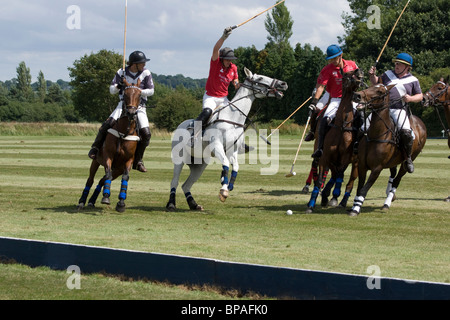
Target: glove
226, 33
313, 104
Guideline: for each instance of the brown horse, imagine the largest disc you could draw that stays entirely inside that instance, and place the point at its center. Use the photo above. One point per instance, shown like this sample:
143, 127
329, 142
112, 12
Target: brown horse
439, 95
379, 149
117, 152
338, 143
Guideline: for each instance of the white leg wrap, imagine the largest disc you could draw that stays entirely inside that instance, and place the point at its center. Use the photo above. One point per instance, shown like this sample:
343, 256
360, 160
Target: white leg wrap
389, 198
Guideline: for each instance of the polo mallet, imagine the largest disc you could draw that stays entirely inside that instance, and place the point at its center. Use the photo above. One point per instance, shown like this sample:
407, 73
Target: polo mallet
292, 173
395, 25
266, 139
241, 24
125, 36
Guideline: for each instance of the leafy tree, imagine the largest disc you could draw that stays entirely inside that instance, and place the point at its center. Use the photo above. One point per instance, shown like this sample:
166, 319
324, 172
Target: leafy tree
175, 107
24, 91
91, 76
279, 25
42, 87
422, 32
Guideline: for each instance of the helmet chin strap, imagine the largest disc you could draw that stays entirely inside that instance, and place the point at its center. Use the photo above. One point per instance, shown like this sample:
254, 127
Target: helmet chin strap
397, 74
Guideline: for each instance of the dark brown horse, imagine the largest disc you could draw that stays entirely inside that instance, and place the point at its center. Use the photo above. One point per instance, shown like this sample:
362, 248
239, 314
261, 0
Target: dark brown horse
379, 149
338, 143
439, 95
117, 152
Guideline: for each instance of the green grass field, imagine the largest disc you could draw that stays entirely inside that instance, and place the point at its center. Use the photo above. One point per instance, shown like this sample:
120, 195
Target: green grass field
42, 178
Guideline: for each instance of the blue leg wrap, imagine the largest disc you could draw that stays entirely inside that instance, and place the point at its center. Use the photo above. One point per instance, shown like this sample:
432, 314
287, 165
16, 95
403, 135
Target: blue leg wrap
106, 188
337, 189
224, 178
314, 194
123, 190
232, 180
85, 193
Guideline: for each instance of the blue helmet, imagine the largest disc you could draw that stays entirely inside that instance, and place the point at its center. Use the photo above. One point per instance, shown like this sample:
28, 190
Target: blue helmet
404, 58
333, 51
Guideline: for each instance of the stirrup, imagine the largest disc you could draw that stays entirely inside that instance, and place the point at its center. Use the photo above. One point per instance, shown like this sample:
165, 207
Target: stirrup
93, 153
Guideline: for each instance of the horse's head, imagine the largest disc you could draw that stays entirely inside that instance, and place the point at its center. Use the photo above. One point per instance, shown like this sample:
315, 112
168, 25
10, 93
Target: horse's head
131, 97
352, 80
263, 86
437, 93
373, 97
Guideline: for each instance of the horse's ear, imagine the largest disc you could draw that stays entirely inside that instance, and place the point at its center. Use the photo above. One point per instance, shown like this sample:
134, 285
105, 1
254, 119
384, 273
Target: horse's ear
126, 83
248, 73
138, 83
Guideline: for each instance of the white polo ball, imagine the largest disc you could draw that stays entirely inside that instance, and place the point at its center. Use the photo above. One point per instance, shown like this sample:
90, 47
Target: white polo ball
289, 212
294, 173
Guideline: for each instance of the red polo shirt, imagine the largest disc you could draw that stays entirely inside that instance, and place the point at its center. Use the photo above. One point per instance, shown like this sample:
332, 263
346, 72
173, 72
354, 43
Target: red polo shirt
219, 79
331, 77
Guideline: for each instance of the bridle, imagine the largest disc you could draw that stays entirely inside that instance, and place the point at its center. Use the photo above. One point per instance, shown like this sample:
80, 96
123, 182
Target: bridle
377, 108
255, 88
130, 112
434, 98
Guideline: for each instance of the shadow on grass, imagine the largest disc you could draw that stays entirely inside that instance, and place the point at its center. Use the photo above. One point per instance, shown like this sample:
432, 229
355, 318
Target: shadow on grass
300, 209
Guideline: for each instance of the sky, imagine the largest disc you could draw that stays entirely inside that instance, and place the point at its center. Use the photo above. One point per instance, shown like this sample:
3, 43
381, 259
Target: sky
177, 35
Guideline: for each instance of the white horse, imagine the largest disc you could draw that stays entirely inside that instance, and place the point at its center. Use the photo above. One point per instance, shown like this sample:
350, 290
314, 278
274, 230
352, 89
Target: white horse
222, 138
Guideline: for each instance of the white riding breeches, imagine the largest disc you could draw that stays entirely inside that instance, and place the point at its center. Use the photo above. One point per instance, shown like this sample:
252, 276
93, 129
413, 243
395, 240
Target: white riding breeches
141, 115
400, 118
333, 107
213, 102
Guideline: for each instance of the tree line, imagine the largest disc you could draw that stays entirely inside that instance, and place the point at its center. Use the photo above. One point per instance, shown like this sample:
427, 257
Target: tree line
421, 32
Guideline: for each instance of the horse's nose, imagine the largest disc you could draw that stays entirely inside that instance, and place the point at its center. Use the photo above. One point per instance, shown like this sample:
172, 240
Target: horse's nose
356, 97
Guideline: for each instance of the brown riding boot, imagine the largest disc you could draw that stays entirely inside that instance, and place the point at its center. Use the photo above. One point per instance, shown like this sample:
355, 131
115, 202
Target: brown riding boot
407, 141
145, 135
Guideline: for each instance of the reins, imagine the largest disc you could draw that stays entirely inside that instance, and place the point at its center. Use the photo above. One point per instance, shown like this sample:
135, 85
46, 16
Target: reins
385, 104
254, 90
435, 102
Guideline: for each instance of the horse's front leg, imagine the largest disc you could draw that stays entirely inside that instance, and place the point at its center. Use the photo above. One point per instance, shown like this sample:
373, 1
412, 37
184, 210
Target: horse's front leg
217, 149
107, 185
90, 181
315, 193
120, 207
362, 191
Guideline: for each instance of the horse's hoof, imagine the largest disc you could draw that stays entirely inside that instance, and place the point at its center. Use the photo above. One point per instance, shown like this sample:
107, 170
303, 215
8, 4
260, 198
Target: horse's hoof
353, 213
91, 205
80, 206
324, 203
198, 208
305, 190
120, 207
448, 199
309, 210
385, 207
170, 207
223, 195
333, 203
106, 200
